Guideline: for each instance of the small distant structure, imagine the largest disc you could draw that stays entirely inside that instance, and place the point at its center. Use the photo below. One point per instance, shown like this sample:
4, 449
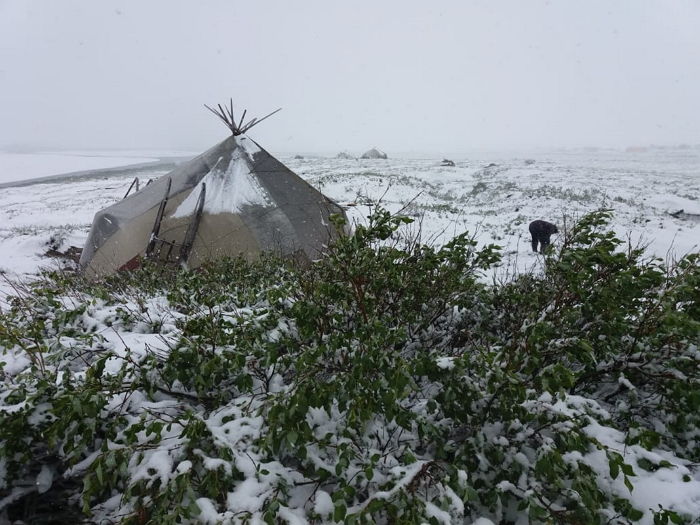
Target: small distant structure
447, 162
299, 157
344, 155
529, 162
374, 153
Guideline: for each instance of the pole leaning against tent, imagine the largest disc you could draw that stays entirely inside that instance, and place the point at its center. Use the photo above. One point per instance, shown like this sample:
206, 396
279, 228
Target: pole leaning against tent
153, 239
192, 228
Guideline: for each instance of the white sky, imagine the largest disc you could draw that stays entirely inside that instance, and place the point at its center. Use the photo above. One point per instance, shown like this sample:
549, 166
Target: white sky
400, 75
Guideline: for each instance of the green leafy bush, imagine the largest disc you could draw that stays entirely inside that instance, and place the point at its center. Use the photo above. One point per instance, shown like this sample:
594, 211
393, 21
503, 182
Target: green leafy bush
383, 383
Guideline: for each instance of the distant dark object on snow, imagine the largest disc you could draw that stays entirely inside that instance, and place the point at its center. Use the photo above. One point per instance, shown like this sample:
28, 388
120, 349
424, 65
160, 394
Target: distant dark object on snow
72, 254
492, 165
529, 162
299, 157
374, 153
447, 162
541, 231
344, 155
681, 214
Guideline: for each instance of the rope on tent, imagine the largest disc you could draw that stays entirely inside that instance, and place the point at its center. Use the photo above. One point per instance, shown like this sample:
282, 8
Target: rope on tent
227, 115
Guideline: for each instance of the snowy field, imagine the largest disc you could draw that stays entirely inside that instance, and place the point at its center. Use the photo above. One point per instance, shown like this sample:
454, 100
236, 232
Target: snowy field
495, 197
492, 196
23, 166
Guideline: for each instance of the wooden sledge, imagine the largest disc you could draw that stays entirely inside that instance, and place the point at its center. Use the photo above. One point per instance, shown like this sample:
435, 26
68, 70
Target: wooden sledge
162, 250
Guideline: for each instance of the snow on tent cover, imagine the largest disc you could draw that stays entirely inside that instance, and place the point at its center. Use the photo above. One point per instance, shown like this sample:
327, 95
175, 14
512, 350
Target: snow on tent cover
233, 200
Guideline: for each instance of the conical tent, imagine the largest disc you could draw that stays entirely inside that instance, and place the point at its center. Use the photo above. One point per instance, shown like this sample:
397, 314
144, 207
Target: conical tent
233, 200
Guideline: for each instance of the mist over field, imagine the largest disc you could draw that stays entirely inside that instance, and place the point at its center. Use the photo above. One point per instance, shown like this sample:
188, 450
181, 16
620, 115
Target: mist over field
402, 76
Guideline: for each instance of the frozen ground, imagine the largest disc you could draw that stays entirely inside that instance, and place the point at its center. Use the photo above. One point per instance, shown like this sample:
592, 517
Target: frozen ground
55, 215
496, 203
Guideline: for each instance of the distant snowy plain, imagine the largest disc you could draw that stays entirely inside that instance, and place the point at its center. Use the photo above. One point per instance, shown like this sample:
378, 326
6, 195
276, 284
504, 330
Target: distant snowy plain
494, 197
23, 166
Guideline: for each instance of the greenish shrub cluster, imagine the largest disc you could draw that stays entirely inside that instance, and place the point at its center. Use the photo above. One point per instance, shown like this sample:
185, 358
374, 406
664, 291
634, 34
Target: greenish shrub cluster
384, 383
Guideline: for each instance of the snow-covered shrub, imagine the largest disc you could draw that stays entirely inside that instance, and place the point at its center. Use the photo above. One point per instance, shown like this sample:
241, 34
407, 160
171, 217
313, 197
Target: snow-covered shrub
385, 383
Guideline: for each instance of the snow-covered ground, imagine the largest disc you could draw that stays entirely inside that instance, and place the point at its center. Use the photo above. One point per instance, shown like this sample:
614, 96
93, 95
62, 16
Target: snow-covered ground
495, 203
498, 202
496, 196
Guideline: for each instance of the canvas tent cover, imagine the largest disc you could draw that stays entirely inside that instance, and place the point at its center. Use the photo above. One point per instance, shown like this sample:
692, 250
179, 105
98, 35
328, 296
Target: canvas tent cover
252, 203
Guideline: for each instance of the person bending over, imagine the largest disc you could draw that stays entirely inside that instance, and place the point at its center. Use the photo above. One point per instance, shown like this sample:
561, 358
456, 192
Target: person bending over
541, 231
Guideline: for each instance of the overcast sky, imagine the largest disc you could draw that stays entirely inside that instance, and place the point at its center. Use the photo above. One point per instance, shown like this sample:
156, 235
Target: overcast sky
400, 75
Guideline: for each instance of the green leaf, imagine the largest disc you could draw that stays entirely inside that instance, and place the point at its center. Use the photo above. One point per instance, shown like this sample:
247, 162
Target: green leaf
194, 509
99, 473
614, 469
676, 518
339, 512
627, 469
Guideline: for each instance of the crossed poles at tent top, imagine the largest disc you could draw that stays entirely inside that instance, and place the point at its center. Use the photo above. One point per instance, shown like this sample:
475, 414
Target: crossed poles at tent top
226, 114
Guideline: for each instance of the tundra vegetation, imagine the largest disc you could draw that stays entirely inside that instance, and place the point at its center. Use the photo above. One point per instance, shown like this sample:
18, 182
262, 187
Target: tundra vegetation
384, 383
